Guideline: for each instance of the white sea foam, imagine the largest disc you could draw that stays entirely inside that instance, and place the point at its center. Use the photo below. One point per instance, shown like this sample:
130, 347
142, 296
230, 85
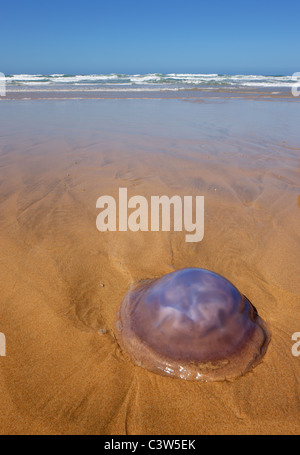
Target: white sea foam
151, 80
137, 89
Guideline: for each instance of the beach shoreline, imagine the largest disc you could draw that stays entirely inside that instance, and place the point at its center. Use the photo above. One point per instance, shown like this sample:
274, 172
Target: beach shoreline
196, 94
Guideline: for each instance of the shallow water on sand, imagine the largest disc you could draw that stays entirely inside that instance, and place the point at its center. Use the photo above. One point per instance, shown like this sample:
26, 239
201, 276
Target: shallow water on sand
62, 281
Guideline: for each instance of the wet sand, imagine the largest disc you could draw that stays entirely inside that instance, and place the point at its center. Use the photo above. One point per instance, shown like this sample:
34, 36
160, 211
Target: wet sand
150, 92
62, 281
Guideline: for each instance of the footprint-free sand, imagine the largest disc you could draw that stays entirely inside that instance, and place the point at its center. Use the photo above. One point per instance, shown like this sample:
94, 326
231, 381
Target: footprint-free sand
62, 281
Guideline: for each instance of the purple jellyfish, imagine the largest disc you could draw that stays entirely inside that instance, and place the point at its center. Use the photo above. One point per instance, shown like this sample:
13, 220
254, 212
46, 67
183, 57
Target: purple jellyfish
191, 324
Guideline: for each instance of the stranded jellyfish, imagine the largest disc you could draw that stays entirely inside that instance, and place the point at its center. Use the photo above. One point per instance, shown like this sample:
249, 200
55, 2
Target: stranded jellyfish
191, 324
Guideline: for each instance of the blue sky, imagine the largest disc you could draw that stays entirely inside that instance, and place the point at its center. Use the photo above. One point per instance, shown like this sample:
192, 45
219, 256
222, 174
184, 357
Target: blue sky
136, 36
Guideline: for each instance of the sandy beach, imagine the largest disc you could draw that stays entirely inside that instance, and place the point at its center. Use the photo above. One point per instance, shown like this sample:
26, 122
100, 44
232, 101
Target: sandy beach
62, 281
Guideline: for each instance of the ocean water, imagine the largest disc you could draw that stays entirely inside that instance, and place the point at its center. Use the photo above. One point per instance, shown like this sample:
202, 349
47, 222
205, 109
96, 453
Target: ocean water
144, 82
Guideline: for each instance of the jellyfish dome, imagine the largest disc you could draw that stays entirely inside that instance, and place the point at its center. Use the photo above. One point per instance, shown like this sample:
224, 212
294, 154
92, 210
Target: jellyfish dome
191, 324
